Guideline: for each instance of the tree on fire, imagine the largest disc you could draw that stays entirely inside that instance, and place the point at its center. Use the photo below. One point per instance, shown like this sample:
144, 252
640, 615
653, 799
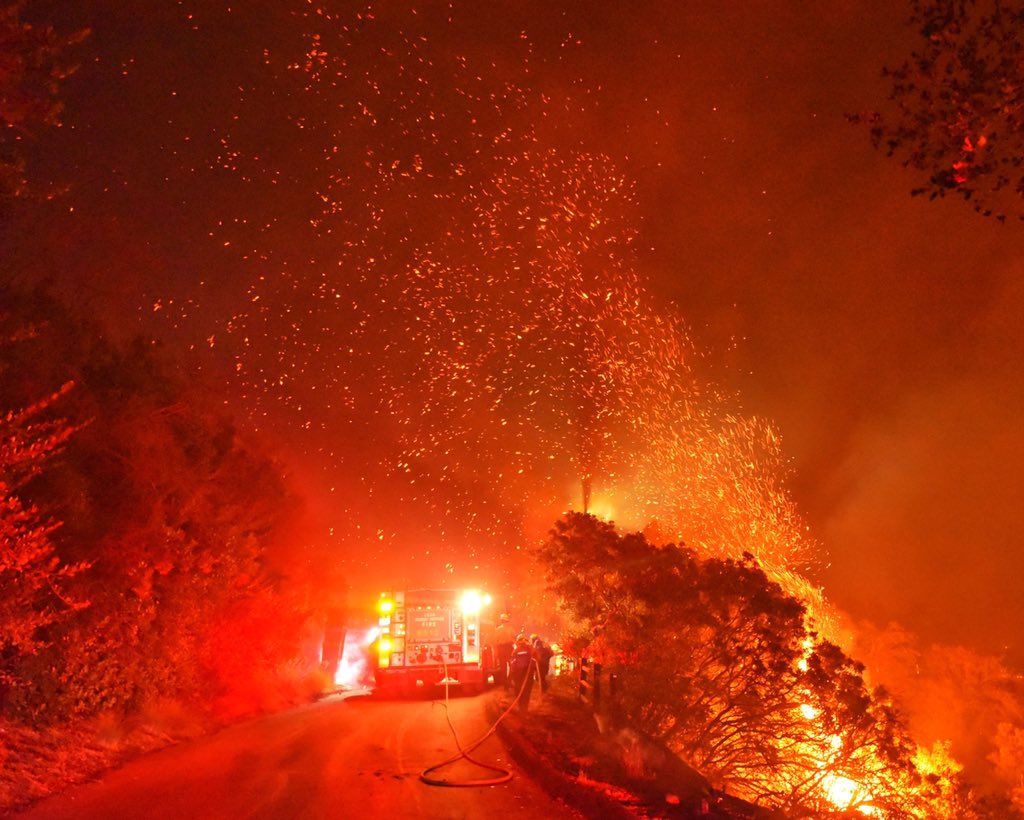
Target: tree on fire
717, 662
178, 515
956, 108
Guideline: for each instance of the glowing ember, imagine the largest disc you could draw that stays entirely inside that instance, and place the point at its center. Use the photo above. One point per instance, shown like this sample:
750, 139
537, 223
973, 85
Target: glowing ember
473, 276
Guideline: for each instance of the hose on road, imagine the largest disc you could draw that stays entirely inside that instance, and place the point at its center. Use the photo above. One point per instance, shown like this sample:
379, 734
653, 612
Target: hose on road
463, 753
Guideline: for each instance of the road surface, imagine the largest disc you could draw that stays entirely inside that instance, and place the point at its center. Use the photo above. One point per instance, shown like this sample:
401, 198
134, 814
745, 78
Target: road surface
340, 758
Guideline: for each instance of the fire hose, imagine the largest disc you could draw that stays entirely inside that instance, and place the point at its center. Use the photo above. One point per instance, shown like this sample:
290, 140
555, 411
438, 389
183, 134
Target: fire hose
463, 753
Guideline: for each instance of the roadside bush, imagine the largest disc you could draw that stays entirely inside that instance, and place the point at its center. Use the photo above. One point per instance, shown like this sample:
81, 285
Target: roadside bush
182, 518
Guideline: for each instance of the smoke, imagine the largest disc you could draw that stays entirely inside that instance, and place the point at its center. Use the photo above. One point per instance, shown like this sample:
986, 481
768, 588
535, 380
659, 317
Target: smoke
925, 533
951, 694
923, 538
354, 670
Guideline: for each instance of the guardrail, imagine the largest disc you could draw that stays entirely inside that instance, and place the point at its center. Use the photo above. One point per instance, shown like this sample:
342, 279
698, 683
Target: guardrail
595, 685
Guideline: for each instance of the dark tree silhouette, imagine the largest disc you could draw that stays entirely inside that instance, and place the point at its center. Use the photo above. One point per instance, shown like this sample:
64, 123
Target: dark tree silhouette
33, 63
956, 109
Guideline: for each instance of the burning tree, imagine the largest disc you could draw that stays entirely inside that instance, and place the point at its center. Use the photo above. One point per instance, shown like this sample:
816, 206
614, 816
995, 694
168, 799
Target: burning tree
717, 662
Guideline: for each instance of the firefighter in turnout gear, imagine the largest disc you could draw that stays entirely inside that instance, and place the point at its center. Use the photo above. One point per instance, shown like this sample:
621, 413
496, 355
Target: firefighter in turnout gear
544, 655
522, 668
503, 647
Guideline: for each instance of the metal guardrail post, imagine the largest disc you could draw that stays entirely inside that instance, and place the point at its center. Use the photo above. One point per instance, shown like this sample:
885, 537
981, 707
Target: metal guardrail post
590, 682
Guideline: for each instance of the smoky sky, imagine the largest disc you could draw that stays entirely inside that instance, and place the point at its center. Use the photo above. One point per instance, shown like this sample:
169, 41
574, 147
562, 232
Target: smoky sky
881, 333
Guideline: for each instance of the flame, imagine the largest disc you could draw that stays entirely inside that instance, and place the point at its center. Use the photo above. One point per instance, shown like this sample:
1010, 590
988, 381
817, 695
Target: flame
600, 508
844, 793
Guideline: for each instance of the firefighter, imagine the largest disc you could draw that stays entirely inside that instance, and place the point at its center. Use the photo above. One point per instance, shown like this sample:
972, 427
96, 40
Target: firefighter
522, 668
543, 653
503, 646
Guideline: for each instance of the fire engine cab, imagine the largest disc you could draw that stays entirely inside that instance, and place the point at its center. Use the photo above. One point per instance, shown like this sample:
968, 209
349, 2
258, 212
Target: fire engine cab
432, 636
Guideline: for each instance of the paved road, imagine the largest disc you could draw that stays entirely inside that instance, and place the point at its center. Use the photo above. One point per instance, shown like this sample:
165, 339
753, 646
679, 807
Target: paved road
355, 757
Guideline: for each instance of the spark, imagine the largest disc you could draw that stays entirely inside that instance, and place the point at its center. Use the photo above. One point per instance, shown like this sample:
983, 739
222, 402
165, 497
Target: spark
473, 276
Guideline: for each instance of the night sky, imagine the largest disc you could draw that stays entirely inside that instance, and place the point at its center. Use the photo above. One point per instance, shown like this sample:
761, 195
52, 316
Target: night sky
236, 194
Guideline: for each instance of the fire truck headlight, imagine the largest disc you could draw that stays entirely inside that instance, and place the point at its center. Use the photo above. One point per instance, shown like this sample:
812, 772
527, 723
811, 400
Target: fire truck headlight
385, 606
471, 601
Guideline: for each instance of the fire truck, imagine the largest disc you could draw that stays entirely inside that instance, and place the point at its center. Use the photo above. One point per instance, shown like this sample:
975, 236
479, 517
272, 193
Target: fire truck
433, 636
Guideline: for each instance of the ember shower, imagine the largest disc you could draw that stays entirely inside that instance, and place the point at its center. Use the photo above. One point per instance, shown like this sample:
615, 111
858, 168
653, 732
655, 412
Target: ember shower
469, 303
